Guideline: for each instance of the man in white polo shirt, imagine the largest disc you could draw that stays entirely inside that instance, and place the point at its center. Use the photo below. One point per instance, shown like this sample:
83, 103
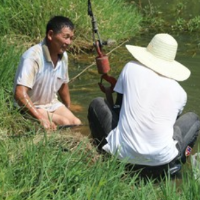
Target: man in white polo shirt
42, 76
149, 131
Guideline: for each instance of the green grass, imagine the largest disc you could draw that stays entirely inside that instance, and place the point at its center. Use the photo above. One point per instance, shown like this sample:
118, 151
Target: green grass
11, 121
183, 16
47, 170
26, 19
61, 167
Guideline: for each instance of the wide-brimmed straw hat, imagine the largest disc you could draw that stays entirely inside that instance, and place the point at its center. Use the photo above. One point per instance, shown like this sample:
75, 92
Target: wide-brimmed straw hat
160, 57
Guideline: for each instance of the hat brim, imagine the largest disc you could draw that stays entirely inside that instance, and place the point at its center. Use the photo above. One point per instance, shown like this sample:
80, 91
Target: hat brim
173, 70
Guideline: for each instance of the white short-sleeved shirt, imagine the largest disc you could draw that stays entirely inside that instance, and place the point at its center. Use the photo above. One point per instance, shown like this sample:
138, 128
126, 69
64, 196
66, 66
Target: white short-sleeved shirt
151, 104
37, 72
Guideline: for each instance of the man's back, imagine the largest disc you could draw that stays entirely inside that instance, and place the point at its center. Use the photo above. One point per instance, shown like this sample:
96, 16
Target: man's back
149, 110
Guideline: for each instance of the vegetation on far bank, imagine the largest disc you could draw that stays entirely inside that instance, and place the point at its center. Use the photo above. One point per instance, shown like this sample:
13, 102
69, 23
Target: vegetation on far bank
170, 16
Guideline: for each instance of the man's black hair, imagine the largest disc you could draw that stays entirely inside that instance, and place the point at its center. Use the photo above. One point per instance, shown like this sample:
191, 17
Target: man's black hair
57, 23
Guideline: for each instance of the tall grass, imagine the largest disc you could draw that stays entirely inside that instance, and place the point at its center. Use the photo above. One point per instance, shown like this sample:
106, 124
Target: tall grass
54, 168
155, 18
116, 19
47, 170
12, 122
9, 57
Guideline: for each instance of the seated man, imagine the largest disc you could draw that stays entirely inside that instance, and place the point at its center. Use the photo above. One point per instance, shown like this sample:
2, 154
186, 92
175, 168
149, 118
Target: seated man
43, 74
149, 131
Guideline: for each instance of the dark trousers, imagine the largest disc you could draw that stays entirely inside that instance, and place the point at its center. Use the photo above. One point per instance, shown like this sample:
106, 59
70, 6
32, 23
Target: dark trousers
186, 130
102, 119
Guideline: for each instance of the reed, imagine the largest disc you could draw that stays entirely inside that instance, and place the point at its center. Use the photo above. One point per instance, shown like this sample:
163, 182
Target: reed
63, 167
27, 18
156, 19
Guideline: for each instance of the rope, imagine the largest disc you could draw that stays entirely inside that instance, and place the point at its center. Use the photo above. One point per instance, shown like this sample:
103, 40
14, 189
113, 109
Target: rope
92, 64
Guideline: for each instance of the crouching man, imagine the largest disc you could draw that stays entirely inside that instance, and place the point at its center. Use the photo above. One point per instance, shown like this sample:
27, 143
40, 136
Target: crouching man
149, 131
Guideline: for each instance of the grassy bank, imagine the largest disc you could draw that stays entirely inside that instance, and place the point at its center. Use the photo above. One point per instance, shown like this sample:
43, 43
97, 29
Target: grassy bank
59, 167
171, 16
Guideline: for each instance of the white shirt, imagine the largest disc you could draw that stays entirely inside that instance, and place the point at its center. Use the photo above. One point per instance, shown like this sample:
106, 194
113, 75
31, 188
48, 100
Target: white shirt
37, 72
151, 104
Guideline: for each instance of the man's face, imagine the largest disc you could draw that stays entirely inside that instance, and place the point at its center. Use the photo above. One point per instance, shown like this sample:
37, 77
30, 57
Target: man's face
60, 41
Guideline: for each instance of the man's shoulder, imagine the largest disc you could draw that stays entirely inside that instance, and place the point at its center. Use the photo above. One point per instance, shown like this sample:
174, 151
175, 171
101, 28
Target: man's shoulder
33, 52
138, 70
133, 63
130, 66
65, 56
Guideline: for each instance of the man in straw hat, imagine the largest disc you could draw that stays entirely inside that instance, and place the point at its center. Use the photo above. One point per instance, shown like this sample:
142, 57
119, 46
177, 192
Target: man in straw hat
149, 131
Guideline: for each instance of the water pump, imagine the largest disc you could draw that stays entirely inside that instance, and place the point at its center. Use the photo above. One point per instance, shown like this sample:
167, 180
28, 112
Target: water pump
102, 60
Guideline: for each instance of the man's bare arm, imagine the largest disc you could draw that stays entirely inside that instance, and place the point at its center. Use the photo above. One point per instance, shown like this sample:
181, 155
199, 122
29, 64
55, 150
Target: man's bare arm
24, 101
65, 95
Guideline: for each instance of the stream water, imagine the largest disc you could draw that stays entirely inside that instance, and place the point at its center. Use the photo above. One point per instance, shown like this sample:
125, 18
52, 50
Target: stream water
85, 87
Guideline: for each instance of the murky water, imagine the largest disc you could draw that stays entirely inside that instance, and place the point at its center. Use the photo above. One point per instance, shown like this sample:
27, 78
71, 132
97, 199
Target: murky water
85, 87
169, 8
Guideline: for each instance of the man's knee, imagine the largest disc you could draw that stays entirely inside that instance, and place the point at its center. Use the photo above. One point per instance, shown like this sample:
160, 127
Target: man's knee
100, 119
188, 122
193, 116
195, 123
67, 121
190, 117
75, 121
99, 109
96, 103
188, 126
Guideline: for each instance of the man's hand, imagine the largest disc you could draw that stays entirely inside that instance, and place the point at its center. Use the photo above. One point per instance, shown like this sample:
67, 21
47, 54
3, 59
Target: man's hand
22, 98
47, 124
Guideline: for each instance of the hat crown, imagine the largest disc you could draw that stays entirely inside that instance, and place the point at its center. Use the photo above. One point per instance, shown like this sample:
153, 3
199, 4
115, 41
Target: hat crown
163, 46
